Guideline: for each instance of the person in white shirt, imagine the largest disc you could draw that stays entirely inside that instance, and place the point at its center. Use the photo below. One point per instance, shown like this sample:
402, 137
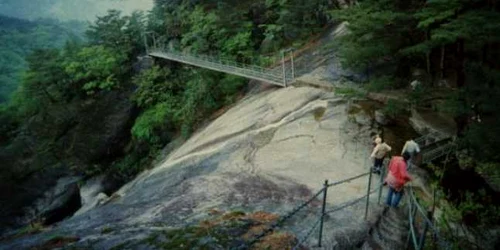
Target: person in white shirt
413, 149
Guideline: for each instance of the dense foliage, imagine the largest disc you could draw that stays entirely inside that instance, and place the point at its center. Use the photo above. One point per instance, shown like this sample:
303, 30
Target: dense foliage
456, 43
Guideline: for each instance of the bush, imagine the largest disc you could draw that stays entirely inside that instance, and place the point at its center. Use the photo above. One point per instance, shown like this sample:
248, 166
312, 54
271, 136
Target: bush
349, 92
148, 123
382, 83
394, 108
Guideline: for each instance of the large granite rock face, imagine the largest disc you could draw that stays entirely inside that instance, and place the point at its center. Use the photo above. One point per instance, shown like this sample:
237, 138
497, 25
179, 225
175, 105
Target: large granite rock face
320, 65
270, 152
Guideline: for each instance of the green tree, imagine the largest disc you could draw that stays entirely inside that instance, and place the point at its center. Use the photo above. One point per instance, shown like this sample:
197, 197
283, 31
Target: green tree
19, 38
121, 33
95, 68
41, 86
378, 30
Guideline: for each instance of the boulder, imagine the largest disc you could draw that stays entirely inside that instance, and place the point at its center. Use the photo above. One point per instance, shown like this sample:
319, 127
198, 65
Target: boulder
352, 108
415, 84
362, 118
58, 202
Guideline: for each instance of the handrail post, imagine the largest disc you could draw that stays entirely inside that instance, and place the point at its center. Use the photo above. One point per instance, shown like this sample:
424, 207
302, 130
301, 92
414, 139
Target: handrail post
154, 41
146, 43
368, 193
293, 67
410, 203
325, 189
413, 213
421, 242
284, 68
382, 173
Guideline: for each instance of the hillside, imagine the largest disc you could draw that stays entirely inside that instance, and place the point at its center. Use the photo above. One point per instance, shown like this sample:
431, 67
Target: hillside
66, 10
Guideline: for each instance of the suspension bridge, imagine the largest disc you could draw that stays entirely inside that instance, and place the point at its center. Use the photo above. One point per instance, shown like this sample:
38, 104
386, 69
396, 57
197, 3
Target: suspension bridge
283, 75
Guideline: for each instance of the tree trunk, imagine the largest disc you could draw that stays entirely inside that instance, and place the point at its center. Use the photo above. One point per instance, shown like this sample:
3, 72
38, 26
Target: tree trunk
428, 62
428, 55
441, 64
460, 63
484, 58
461, 119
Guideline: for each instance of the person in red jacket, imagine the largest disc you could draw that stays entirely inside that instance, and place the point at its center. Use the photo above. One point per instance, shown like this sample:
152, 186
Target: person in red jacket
397, 177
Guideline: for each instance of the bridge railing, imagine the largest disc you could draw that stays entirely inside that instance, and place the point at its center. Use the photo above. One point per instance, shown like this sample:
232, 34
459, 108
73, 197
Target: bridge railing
437, 152
428, 138
277, 70
280, 75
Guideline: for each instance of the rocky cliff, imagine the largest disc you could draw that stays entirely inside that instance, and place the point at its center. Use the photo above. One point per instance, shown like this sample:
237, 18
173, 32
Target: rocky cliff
269, 152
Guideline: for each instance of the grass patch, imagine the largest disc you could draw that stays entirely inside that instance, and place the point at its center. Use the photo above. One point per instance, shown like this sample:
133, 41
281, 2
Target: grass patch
349, 92
106, 230
57, 242
318, 113
224, 231
33, 228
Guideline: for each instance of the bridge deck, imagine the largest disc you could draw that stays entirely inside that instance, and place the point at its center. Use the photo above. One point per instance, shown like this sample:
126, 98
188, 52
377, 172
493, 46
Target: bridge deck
273, 76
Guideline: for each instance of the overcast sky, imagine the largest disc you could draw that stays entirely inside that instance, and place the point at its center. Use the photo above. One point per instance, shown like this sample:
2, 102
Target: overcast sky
69, 9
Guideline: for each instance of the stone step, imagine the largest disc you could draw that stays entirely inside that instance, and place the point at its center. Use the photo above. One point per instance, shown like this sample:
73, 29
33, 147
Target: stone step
385, 243
400, 231
399, 213
394, 223
369, 244
392, 234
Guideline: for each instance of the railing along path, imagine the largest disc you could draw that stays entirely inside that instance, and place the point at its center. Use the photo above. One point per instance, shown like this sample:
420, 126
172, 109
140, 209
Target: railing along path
321, 217
417, 238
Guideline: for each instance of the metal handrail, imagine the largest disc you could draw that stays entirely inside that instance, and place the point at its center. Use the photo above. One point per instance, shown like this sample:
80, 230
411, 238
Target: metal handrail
420, 209
323, 213
297, 246
437, 152
412, 229
351, 203
273, 75
414, 207
348, 179
284, 218
423, 138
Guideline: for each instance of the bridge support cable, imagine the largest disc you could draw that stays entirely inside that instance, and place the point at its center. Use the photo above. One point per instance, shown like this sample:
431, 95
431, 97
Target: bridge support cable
281, 76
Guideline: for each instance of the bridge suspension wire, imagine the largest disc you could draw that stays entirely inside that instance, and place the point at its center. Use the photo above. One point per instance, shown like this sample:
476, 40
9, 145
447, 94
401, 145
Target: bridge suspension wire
282, 75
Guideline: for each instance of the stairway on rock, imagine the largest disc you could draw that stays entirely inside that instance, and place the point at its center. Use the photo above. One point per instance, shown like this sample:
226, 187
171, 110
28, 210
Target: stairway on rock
390, 231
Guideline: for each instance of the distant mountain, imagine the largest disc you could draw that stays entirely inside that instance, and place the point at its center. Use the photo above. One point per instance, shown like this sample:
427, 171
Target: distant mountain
85, 10
20, 37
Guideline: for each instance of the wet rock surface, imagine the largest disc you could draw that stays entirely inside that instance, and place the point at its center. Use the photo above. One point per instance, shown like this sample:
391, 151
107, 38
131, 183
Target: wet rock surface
91, 194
